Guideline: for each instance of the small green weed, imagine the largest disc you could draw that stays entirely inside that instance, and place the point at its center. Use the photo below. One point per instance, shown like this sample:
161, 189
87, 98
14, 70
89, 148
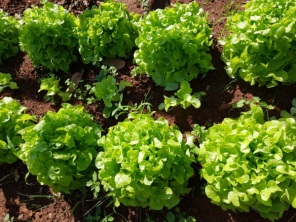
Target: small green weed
179, 216
245, 104
256, 100
230, 9
3, 179
130, 109
174, 216
106, 71
99, 215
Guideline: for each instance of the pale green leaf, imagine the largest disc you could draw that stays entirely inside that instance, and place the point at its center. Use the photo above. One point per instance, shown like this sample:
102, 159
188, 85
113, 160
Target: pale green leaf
122, 180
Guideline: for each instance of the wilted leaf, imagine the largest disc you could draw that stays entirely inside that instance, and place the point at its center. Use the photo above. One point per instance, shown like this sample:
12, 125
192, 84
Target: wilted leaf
224, 106
117, 63
76, 77
16, 175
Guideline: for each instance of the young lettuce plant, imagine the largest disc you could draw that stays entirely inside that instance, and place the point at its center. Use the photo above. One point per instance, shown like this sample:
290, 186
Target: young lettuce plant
173, 45
47, 36
9, 36
183, 98
250, 163
145, 162
60, 150
12, 120
261, 45
106, 31
108, 91
5, 82
51, 84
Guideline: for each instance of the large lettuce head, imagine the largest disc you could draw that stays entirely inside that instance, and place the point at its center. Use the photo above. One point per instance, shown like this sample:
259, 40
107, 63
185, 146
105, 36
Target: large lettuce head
173, 45
60, 150
250, 163
145, 162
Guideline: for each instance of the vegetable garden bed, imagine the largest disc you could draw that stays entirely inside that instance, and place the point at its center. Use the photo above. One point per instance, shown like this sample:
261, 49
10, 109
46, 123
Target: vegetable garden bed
22, 198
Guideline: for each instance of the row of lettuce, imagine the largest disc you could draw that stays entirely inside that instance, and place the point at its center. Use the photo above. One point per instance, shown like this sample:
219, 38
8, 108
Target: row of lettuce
171, 45
248, 162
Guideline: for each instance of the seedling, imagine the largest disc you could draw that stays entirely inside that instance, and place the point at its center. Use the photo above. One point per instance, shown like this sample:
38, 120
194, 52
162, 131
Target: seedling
183, 98
6, 82
51, 84
108, 91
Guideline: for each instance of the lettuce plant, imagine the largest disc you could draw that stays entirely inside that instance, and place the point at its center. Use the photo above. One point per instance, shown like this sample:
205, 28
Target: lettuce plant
51, 84
60, 150
108, 91
6, 81
106, 31
12, 120
261, 45
173, 45
183, 98
47, 36
251, 163
9, 36
145, 162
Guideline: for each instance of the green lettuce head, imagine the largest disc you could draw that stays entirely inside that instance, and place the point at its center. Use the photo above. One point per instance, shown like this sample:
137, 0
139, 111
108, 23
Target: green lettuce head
106, 31
251, 163
261, 46
173, 45
145, 162
47, 36
12, 120
60, 150
9, 36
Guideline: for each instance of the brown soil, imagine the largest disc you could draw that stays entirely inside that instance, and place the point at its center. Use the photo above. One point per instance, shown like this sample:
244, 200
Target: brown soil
24, 199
